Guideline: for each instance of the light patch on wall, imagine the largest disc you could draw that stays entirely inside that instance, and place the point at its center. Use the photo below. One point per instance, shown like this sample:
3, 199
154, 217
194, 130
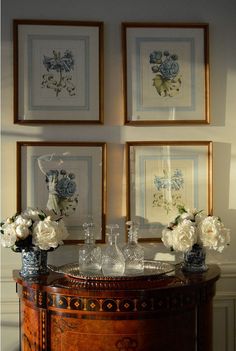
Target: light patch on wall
232, 183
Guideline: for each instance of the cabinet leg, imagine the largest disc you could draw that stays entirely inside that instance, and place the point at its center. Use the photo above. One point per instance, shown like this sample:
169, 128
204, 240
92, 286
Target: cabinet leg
204, 326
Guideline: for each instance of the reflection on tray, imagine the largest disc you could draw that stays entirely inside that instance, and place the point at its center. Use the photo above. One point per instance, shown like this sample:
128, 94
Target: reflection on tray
152, 268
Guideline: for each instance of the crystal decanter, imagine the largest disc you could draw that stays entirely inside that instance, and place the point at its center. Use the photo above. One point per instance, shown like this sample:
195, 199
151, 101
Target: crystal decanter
89, 252
133, 252
113, 262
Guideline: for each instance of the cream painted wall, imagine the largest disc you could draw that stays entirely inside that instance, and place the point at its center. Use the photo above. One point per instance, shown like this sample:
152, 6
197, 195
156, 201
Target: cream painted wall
221, 18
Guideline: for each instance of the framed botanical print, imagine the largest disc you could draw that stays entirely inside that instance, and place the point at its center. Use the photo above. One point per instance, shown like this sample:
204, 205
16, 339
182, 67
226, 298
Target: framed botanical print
166, 73
68, 178
164, 175
58, 72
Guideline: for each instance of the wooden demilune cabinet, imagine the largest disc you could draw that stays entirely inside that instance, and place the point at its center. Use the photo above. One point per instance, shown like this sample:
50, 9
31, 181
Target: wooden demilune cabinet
168, 313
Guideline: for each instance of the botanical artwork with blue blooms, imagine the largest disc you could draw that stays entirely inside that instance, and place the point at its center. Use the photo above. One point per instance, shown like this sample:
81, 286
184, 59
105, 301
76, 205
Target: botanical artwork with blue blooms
165, 66
62, 197
170, 185
59, 67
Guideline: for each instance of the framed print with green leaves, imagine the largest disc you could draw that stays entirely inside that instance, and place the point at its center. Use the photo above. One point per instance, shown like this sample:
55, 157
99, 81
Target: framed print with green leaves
58, 72
166, 73
68, 178
164, 175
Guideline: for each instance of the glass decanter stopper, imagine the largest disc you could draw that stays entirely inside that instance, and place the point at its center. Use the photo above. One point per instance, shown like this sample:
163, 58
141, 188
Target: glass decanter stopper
113, 262
133, 252
89, 252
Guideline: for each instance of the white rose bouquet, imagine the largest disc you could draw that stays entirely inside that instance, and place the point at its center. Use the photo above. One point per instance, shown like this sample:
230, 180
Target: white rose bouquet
194, 227
33, 228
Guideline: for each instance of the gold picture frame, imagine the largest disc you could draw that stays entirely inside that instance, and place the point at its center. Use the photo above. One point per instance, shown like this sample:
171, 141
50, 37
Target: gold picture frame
58, 72
77, 172
166, 73
162, 175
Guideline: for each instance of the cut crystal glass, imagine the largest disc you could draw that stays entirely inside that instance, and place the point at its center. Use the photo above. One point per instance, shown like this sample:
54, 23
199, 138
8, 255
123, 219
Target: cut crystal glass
89, 252
133, 252
113, 262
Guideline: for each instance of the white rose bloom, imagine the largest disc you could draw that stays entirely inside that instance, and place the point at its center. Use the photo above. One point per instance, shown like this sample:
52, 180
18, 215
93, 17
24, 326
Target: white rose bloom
200, 217
22, 227
32, 213
9, 238
167, 237
213, 234
20, 220
22, 231
188, 215
48, 234
184, 236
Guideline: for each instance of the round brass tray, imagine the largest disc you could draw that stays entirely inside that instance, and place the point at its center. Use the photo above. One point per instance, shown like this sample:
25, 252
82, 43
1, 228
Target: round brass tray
152, 269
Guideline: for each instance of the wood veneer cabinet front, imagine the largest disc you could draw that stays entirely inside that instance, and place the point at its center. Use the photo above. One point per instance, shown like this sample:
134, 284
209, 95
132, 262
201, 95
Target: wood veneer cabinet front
165, 314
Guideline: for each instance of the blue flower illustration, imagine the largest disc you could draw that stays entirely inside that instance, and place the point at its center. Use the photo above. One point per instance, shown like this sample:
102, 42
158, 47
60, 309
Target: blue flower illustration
65, 187
61, 79
170, 185
169, 68
61, 191
58, 63
166, 69
175, 182
155, 57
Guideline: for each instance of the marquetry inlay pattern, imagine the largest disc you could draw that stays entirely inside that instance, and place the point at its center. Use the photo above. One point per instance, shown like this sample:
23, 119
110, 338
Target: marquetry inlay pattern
141, 303
138, 304
38, 298
44, 328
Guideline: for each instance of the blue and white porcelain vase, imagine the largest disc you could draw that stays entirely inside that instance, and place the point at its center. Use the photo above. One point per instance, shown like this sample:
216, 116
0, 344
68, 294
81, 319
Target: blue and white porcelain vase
194, 260
34, 262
